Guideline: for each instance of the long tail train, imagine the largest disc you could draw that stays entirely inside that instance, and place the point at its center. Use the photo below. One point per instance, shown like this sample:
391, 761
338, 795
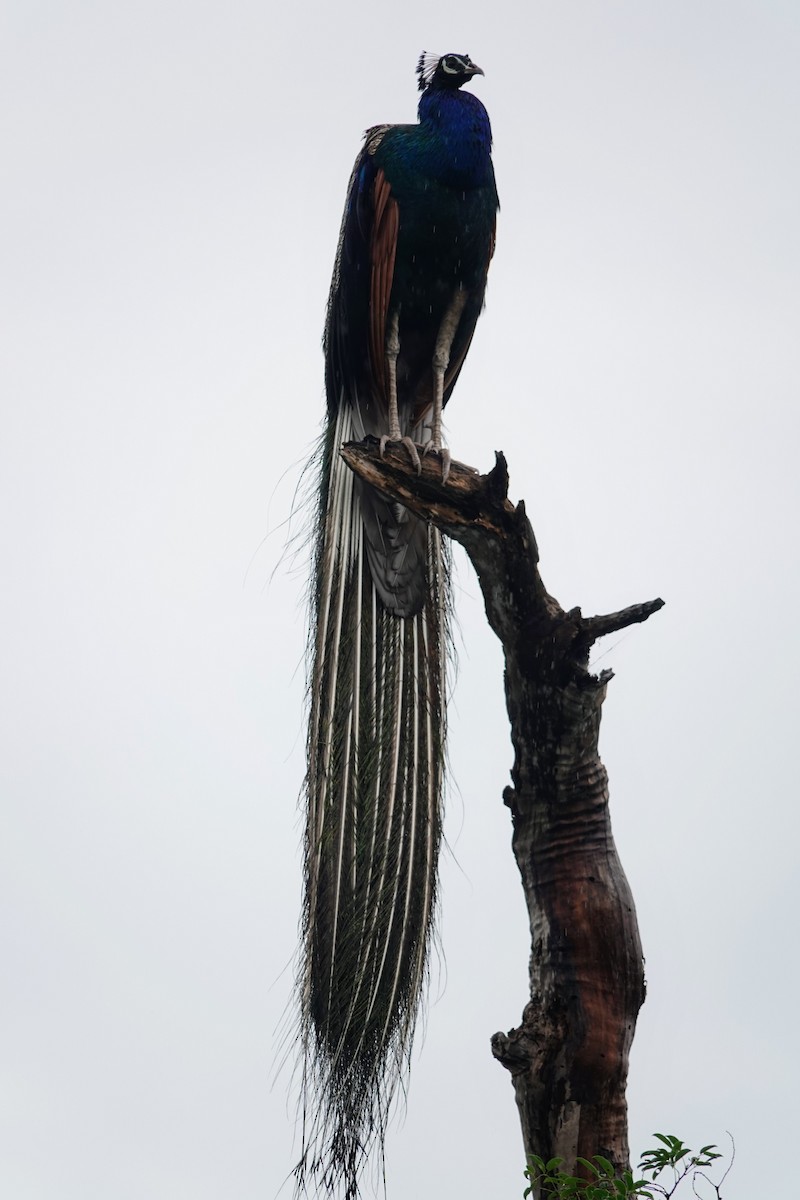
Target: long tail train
374, 793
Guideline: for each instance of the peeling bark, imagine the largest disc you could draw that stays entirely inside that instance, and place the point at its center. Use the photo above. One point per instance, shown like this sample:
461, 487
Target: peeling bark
568, 1059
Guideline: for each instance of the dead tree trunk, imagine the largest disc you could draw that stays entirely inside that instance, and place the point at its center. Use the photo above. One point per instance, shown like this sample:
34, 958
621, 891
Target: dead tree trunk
569, 1057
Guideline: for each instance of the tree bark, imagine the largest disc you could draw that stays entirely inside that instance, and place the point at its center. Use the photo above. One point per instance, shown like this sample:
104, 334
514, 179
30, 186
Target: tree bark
568, 1059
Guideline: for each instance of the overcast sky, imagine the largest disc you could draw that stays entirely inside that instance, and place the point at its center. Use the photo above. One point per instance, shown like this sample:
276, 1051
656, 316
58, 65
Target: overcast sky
173, 178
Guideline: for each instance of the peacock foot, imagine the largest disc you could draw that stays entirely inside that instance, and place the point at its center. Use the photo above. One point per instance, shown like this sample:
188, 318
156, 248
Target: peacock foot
445, 456
413, 453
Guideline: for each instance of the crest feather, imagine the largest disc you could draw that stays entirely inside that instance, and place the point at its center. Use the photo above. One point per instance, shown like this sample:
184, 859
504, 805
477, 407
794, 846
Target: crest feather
426, 68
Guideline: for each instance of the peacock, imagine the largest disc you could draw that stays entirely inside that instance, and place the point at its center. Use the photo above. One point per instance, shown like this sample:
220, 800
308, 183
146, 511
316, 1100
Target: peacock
408, 286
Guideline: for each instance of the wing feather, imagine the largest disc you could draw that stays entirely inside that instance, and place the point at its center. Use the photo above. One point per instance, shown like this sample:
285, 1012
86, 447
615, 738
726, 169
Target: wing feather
383, 249
355, 326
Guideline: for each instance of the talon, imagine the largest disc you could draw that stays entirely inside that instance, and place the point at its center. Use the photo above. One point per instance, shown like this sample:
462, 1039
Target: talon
413, 453
444, 454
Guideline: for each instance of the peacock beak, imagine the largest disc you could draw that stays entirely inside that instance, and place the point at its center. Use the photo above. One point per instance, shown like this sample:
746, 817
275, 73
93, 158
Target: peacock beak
474, 69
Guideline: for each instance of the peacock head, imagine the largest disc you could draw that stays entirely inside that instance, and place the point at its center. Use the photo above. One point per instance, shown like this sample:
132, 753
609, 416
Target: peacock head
445, 71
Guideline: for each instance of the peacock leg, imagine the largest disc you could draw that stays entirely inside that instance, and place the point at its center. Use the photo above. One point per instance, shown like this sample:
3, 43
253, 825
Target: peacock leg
395, 433
441, 361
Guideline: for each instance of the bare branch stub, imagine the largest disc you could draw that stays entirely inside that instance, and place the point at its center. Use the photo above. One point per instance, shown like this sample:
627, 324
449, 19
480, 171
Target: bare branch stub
568, 1059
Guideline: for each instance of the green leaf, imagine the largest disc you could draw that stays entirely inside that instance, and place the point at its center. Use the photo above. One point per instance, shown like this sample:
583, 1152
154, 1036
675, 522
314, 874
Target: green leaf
590, 1166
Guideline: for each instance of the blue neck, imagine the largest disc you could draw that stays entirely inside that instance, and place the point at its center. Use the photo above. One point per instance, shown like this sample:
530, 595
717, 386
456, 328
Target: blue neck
460, 126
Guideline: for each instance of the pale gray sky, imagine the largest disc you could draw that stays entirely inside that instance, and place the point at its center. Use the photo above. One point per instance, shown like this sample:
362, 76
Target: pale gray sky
173, 181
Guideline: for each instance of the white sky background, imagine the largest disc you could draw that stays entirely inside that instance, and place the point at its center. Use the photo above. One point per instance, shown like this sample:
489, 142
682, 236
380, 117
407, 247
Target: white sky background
174, 175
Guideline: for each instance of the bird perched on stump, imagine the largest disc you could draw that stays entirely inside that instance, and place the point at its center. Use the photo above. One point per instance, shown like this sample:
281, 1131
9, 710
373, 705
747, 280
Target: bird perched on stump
408, 286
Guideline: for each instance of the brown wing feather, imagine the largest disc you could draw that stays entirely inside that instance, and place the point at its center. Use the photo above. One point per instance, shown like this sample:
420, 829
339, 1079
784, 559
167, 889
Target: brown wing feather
382, 250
